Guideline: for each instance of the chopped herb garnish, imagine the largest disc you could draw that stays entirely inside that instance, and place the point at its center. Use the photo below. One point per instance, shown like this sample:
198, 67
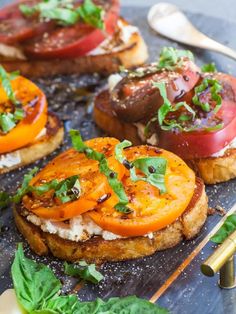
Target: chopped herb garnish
171, 58
190, 114
5, 80
83, 271
154, 168
64, 12
112, 176
66, 190
209, 68
215, 87
225, 230
8, 120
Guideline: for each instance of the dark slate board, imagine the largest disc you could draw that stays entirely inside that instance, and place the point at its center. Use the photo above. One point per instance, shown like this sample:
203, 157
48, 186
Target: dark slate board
191, 292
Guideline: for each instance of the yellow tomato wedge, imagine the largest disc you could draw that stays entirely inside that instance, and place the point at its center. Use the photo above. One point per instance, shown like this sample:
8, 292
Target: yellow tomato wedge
34, 104
94, 184
152, 211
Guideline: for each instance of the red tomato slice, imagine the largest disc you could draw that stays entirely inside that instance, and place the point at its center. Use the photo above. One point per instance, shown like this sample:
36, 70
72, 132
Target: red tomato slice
74, 41
202, 144
14, 27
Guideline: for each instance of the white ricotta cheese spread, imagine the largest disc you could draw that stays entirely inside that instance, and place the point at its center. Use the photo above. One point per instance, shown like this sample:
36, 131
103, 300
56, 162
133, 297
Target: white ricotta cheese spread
9, 160
153, 140
223, 150
79, 228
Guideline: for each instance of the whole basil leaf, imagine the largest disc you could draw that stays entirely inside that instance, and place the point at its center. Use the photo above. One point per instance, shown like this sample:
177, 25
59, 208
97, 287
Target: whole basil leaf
130, 305
84, 271
34, 283
225, 230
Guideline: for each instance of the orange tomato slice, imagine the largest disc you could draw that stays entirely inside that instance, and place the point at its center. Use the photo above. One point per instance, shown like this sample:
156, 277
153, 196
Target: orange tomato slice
94, 184
152, 211
34, 104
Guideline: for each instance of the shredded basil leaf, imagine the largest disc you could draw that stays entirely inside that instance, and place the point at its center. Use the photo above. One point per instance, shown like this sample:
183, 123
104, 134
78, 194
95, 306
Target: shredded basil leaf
156, 176
25, 187
225, 230
91, 14
66, 190
153, 167
209, 68
171, 58
215, 87
84, 271
37, 290
64, 13
5, 79
112, 177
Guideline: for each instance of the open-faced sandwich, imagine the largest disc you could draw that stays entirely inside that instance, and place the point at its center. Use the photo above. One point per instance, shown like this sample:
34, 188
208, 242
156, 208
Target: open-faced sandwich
28, 131
50, 37
179, 107
105, 200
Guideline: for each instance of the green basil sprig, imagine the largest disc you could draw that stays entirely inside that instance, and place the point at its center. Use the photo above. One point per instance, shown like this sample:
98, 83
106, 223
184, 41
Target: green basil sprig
112, 176
225, 230
37, 290
84, 271
209, 68
154, 168
66, 190
171, 58
64, 13
215, 87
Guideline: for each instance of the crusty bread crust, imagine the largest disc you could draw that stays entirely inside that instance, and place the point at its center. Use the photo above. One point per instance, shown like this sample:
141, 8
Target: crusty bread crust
42, 147
99, 250
132, 54
212, 170
216, 169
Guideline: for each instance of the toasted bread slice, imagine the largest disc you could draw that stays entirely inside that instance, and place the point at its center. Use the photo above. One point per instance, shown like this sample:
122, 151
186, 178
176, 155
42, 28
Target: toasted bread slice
116, 53
41, 147
99, 250
212, 170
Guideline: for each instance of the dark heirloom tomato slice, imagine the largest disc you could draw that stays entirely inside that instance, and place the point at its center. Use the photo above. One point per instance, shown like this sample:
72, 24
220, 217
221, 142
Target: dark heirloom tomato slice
135, 99
202, 144
14, 27
74, 41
